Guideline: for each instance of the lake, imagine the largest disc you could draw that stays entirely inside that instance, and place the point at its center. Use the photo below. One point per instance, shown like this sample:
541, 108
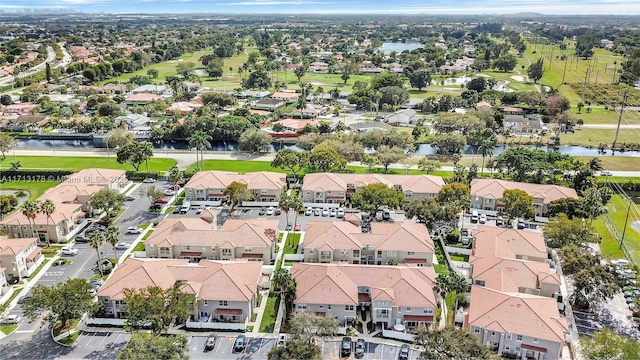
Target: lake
399, 47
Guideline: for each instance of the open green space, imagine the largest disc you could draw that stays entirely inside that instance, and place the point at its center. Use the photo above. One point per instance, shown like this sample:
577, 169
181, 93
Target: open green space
616, 163
8, 329
594, 137
76, 163
35, 188
610, 245
596, 116
270, 313
291, 245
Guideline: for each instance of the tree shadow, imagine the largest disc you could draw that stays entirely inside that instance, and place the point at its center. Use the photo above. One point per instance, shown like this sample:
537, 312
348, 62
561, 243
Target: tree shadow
38, 346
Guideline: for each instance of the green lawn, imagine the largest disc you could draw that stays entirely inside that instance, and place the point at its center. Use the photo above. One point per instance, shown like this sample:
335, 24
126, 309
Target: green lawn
610, 246
270, 313
594, 137
8, 329
291, 246
77, 163
596, 116
35, 188
240, 166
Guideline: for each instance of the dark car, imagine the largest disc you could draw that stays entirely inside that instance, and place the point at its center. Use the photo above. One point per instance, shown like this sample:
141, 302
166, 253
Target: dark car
102, 222
82, 238
210, 343
239, 344
176, 210
345, 346
130, 198
288, 227
360, 348
278, 211
404, 352
262, 211
155, 207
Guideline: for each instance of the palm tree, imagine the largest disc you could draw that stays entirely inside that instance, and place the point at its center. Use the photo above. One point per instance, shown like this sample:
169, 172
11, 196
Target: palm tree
147, 150
47, 207
285, 203
280, 279
296, 205
174, 174
305, 89
112, 236
377, 96
485, 149
200, 140
441, 285
95, 241
30, 210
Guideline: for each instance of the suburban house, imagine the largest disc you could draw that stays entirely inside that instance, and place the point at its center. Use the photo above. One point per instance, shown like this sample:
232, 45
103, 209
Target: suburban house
330, 188
225, 291
405, 117
390, 295
142, 99
294, 125
269, 104
495, 242
29, 122
508, 110
183, 107
207, 187
135, 120
20, 108
288, 97
521, 124
524, 325
200, 239
369, 126
384, 244
150, 89
486, 194
19, 257
318, 67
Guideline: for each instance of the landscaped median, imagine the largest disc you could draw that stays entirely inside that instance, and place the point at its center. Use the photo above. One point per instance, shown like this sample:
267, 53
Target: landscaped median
66, 335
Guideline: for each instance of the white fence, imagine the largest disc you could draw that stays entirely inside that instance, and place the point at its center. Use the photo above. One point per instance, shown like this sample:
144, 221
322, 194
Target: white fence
6, 294
139, 254
293, 257
259, 203
216, 325
205, 203
458, 251
397, 335
321, 205
104, 321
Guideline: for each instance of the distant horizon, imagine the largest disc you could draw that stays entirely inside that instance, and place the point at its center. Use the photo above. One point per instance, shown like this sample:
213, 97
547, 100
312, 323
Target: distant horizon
329, 7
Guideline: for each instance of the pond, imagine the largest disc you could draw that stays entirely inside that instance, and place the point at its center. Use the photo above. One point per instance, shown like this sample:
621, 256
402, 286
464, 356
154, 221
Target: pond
399, 47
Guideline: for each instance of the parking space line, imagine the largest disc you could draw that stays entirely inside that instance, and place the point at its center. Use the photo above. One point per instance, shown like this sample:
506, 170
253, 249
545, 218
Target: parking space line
103, 339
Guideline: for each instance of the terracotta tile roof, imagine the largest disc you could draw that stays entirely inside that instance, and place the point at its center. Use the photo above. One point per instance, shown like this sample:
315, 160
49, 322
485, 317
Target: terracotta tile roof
213, 280
63, 212
508, 243
295, 124
509, 274
33, 254
493, 189
12, 246
517, 313
286, 95
263, 180
95, 176
143, 97
338, 284
338, 182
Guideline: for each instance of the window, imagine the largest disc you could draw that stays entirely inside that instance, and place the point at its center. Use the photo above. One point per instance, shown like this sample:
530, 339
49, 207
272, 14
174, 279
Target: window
301, 306
248, 249
517, 349
509, 336
321, 307
410, 253
204, 248
507, 348
223, 303
408, 309
310, 251
205, 302
399, 309
536, 340
428, 311
328, 307
391, 253
264, 192
493, 333
226, 252
186, 247
344, 252
519, 337
348, 307
476, 330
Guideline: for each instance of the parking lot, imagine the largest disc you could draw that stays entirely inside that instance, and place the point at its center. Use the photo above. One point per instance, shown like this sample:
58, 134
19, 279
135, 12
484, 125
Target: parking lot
257, 348
99, 345
373, 351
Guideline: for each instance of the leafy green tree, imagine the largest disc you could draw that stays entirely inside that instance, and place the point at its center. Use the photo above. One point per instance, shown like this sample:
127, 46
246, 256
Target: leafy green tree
153, 73
606, 344
428, 211
594, 285
517, 203
450, 343
390, 155
569, 206
200, 140
536, 70
562, 231
109, 109
5, 99
323, 158
291, 160
258, 79
370, 161
7, 142
60, 303
254, 140
295, 349
371, 198
134, 153
592, 203
505, 63
575, 259
30, 211
420, 79
237, 192
449, 144
107, 199
152, 192
147, 150
277, 127
7, 203
306, 326
387, 79
144, 346
185, 68
118, 137
156, 308
486, 149
299, 72
455, 194
429, 166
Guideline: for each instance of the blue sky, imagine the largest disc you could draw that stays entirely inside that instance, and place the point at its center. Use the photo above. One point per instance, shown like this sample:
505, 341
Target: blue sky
568, 7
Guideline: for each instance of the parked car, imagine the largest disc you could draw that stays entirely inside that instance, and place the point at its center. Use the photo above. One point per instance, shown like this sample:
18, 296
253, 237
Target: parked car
308, 211
96, 282
68, 250
93, 291
282, 340
345, 346
483, 218
317, 212
169, 192
122, 246
360, 348
333, 212
161, 201
325, 212
240, 343
95, 227
297, 228
149, 180
277, 212
340, 213
176, 210
133, 230
474, 216
24, 299
521, 224
155, 207
104, 264
605, 173
175, 187
262, 211
499, 221
130, 198
210, 343
11, 319
404, 352
270, 210
288, 227
82, 238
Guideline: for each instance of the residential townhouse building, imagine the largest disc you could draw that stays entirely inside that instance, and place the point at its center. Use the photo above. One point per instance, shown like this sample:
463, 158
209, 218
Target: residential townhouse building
225, 291
495, 242
384, 244
486, 194
334, 188
207, 187
390, 295
524, 325
19, 258
198, 239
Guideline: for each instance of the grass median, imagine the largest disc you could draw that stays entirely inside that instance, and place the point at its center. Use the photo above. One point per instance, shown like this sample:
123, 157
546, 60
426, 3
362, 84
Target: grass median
77, 163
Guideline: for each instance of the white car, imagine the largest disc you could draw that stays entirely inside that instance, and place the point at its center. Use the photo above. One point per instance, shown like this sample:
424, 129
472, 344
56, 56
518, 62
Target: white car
149, 180
11, 319
483, 218
332, 212
270, 210
317, 212
122, 246
325, 212
133, 230
605, 173
308, 212
340, 213
68, 250
169, 192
